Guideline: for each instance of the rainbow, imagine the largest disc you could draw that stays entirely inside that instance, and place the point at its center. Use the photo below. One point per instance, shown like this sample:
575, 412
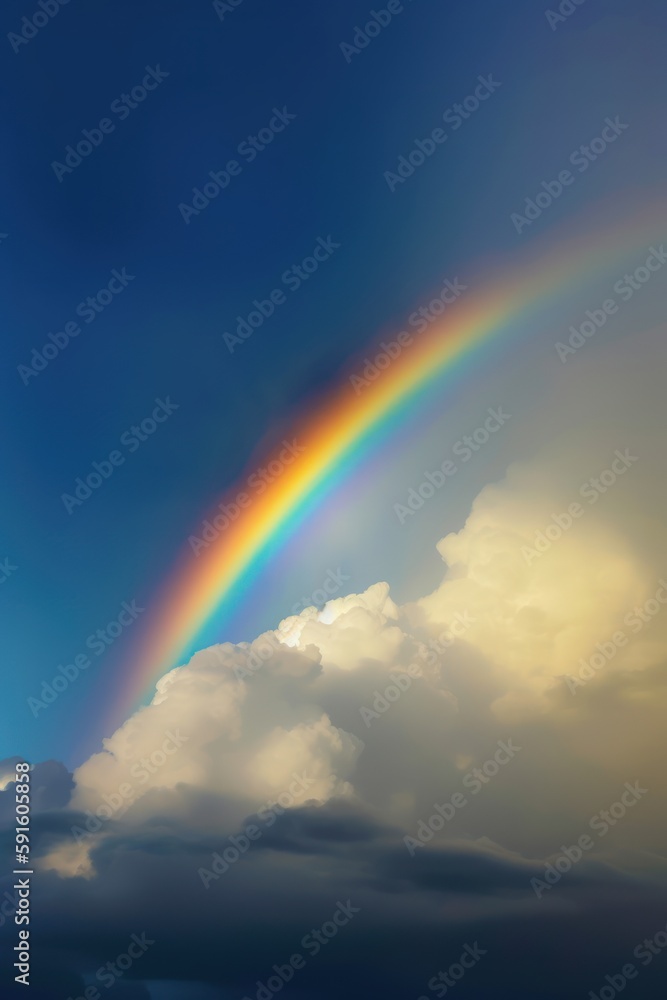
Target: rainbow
342, 429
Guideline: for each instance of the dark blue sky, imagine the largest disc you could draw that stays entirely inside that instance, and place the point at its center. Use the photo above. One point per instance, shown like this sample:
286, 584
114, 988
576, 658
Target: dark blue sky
161, 336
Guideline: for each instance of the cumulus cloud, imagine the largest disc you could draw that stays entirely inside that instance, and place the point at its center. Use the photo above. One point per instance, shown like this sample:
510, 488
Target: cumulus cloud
367, 701
542, 591
338, 735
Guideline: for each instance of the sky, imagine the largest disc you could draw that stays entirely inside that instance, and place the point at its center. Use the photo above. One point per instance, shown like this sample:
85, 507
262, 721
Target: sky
169, 342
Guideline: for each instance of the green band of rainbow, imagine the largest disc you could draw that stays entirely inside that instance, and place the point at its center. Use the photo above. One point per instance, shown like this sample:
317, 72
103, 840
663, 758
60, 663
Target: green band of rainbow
341, 430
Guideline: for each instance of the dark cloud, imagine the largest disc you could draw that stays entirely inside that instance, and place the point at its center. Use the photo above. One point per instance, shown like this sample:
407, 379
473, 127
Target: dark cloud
50, 782
415, 914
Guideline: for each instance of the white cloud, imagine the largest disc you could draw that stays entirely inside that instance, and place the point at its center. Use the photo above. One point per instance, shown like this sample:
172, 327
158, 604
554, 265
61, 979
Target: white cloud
247, 718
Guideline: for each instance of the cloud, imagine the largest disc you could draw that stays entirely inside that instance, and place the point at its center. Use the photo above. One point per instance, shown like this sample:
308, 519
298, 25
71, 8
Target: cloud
542, 592
290, 771
386, 705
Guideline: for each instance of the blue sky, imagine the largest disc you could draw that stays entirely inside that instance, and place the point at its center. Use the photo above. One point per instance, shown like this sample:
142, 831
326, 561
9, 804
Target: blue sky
161, 335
